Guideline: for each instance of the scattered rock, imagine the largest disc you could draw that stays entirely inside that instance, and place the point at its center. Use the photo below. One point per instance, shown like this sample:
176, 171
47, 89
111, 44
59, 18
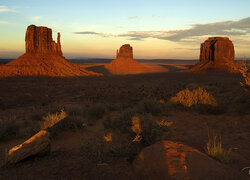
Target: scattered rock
39, 144
43, 57
125, 64
216, 53
170, 160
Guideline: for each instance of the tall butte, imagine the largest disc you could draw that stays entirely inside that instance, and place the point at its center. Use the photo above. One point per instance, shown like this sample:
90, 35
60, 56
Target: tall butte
125, 64
216, 53
43, 57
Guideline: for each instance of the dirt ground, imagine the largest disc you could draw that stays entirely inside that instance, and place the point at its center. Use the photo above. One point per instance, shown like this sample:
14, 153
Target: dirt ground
22, 97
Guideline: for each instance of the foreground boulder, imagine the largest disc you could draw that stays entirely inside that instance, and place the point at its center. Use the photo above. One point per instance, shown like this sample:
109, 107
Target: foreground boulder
170, 160
39, 144
216, 53
43, 57
125, 64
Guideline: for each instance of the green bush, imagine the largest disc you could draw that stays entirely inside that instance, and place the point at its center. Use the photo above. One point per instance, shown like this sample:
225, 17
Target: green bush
215, 150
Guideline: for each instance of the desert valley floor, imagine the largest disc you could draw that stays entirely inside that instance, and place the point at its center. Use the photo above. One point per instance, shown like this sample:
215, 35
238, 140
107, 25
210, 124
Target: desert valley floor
91, 103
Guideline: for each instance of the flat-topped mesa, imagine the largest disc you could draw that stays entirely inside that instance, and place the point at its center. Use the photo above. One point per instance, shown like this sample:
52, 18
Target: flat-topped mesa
126, 51
39, 40
217, 49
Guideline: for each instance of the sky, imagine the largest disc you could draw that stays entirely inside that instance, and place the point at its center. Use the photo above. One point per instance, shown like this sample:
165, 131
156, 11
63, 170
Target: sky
159, 29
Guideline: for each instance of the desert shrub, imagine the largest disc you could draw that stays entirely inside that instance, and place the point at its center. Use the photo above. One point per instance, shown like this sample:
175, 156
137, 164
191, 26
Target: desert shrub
151, 130
242, 103
9, 128
151, 106
96, 111
51, 119
141, 128
74, 111
189, 98
113, 106
37, 115
122, 122
215, 150
68, 123
245, 74
209, 109
97, 150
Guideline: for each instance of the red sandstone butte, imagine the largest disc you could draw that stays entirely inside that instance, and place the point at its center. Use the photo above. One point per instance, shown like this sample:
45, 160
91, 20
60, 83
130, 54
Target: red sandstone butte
216, 53
125, 64
43, 57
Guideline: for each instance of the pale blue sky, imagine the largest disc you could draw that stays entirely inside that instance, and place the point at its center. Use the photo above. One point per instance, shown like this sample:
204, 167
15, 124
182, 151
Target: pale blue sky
156, 29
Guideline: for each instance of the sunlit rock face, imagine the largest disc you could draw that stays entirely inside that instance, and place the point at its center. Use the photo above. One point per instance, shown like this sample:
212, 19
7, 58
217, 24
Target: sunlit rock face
172, 160
216, 53
43, 57
125, 64
217, 49
126, 51
39, 40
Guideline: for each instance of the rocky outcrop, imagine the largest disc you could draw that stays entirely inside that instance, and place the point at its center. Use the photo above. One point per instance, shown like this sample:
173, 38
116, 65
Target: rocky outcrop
43, 57
39, 40
171, 160
125, 64
218, 50
216, 53
39, 144
126, 51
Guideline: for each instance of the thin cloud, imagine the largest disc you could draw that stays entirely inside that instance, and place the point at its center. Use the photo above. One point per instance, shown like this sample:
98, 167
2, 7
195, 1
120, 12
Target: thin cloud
191, 49
224, 28
94, 33
36, 18
4, 22
133, 17
5, 9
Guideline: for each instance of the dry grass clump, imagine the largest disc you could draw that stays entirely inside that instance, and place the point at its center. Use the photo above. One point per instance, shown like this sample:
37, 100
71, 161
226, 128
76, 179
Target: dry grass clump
214, 149
136, 128
51, 119
245, 73
189, 98
162, 123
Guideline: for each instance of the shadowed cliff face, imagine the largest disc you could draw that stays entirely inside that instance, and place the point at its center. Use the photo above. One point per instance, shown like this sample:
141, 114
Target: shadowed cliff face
216, 53
39, 40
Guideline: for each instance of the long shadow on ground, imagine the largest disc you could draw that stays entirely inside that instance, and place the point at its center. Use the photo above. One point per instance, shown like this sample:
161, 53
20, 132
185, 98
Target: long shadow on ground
99, 69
